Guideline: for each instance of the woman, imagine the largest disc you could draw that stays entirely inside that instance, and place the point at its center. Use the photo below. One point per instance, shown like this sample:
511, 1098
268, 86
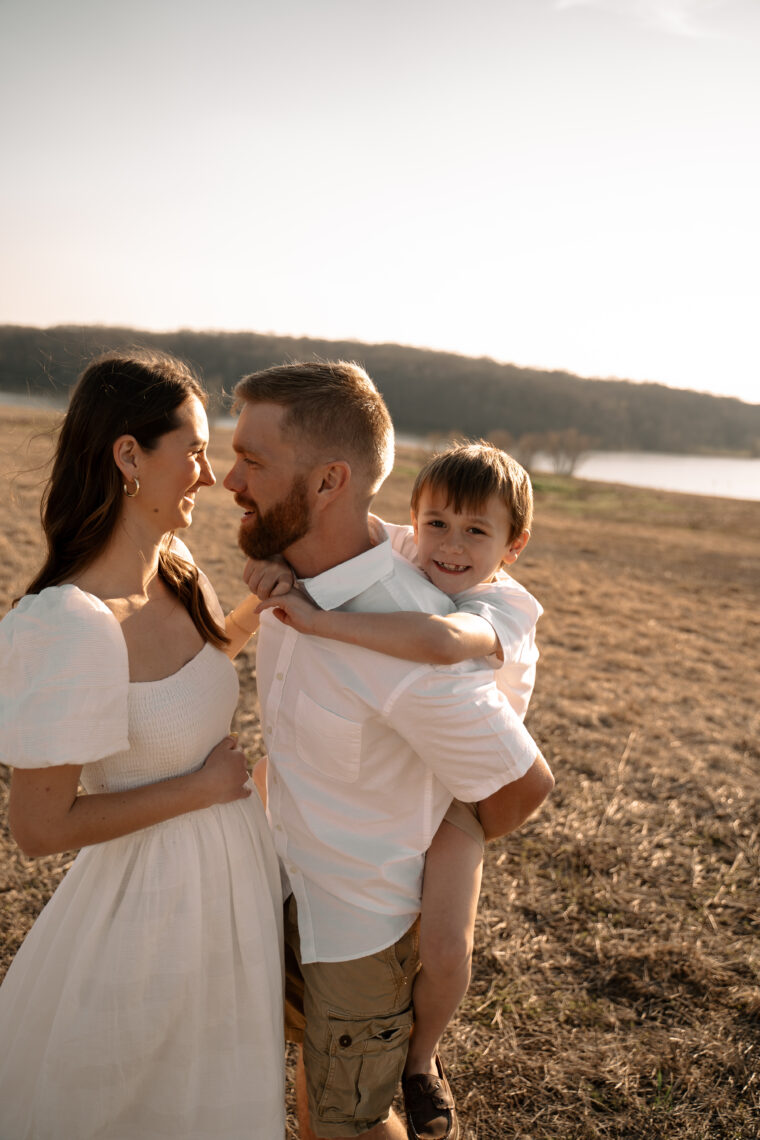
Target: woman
146, 1000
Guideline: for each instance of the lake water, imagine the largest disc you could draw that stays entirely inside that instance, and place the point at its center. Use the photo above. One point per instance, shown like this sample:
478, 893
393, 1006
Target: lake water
22, 400
728, 478
698, 475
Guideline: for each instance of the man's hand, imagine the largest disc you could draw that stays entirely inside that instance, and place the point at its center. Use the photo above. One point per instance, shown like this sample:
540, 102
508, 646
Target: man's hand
269, 578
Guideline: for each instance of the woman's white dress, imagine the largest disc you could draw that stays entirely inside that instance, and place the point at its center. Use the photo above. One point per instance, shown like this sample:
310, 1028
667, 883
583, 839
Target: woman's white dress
146, 1001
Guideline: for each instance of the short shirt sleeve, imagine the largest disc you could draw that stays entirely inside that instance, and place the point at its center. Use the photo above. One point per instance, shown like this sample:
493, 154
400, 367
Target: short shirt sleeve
64, 681
463, 728
209, 593
511, 611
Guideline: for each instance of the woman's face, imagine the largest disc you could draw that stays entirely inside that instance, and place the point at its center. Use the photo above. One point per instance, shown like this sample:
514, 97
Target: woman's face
174, 471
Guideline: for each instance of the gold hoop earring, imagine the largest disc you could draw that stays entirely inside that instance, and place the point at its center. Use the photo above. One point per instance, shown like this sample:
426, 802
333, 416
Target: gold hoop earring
131, 494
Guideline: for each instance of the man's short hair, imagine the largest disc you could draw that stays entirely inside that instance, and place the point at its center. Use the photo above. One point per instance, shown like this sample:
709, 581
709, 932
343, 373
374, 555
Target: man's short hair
334, 407
469, 473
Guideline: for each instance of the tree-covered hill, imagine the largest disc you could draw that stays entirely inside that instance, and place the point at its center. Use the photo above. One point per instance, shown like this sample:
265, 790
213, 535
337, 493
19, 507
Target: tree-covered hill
426, 391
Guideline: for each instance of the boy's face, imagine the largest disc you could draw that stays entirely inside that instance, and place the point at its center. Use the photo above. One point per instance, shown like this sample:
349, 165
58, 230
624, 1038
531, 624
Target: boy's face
458, 551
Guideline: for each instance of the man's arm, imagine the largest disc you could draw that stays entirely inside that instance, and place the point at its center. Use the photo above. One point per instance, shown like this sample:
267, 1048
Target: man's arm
508, 809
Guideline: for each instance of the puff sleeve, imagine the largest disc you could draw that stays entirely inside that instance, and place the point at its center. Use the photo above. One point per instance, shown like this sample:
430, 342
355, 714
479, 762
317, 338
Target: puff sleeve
64, 681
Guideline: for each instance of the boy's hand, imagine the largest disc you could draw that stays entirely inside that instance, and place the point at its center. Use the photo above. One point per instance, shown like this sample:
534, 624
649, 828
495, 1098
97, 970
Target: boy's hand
269, 578
294, 609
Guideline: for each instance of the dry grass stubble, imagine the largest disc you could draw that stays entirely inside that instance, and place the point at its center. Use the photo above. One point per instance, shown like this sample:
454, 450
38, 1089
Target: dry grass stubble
616, 987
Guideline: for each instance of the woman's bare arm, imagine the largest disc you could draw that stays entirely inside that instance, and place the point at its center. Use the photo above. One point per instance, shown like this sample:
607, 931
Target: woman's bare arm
47, 814
264, 579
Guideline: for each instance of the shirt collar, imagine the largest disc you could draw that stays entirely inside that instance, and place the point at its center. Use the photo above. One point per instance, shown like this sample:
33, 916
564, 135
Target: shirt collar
347, 580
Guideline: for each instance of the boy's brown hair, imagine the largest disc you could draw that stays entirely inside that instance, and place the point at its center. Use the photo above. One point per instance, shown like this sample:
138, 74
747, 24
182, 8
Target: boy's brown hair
469, 473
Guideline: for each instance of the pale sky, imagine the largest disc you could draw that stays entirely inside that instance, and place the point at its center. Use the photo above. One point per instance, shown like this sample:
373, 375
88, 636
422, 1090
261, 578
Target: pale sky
568, 184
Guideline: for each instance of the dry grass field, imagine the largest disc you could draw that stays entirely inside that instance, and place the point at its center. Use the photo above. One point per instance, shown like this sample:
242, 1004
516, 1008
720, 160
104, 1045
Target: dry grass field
616, 989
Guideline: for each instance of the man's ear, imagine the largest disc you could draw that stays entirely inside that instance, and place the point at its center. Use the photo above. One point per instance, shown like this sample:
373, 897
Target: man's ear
331, 480
515, 548
126, 454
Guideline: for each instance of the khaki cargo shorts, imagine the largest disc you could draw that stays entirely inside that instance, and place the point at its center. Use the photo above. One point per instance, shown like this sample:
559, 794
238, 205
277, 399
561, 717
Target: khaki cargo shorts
354, 1020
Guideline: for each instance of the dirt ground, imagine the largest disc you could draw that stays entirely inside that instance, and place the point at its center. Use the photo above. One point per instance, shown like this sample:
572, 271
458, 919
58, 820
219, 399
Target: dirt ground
616, 987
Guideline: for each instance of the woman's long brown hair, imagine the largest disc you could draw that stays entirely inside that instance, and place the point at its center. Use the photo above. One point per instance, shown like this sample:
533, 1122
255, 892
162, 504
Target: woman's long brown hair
135, 393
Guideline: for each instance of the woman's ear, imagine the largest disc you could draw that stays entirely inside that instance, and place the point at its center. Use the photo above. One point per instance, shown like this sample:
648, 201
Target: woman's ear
125, 454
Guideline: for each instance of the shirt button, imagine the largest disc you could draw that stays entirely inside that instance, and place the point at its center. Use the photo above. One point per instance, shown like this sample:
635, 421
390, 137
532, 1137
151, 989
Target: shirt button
280, 676
344, 1041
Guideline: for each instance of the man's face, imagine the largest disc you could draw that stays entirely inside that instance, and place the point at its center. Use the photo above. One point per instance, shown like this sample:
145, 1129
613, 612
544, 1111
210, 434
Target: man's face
268, 482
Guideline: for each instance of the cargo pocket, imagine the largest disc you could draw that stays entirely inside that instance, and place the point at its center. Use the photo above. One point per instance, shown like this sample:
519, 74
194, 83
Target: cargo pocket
365, 1062
326, 741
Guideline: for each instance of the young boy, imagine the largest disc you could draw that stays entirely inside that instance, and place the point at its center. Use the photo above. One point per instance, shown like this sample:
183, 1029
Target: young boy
471, 513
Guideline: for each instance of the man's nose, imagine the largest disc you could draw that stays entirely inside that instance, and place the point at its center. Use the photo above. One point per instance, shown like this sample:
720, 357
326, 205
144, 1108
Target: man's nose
231, 481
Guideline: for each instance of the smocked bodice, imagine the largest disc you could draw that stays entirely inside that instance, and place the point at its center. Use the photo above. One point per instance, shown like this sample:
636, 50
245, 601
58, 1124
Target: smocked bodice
173, 724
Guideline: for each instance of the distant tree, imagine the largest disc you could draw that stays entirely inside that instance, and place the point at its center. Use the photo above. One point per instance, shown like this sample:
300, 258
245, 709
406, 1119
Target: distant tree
565, 448
443, 439
501, 438
528, 446
425, 391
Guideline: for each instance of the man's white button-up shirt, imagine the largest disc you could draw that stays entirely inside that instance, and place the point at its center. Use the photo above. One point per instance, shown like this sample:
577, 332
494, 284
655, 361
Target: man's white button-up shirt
365, 754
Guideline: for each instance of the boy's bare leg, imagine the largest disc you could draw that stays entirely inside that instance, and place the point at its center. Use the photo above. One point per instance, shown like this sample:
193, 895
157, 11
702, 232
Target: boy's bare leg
391, 1129
450, 890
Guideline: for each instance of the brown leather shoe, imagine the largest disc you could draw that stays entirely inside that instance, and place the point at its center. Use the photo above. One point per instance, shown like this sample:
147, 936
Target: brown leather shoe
430, 1110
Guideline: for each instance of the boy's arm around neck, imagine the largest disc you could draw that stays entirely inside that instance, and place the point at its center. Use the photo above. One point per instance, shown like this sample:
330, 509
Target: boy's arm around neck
430, 639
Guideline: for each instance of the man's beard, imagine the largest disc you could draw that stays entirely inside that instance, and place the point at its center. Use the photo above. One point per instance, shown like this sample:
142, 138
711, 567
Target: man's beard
279, 527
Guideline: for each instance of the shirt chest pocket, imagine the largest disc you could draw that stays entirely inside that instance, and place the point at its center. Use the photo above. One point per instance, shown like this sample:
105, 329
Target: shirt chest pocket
326, 741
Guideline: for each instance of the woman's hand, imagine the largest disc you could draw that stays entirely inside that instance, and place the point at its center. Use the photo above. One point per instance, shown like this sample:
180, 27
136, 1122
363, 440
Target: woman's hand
225, 773
269, 578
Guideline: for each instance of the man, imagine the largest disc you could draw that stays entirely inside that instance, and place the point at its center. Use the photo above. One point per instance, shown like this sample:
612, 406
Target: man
365, 751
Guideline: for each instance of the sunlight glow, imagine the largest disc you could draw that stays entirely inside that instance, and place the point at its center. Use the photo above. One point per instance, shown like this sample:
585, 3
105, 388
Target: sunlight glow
535, 181
678, 17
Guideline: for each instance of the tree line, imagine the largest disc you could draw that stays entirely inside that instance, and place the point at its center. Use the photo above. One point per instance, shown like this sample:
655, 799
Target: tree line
426, 391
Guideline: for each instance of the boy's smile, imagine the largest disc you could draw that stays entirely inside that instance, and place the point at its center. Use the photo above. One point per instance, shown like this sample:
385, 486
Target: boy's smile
459, 550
